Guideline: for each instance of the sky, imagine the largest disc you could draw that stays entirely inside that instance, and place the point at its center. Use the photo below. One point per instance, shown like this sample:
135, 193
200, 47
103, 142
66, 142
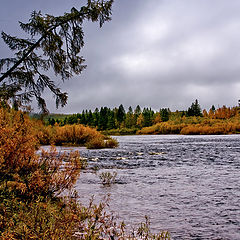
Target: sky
155, 53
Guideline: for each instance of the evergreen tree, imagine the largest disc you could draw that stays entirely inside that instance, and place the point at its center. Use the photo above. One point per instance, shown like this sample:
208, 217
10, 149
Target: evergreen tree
83, 118
213, 108
60, 40
120, 114
137, 111
103, 118
164, 113
147, 117
111, 120
195, 109
51, 121
90, 119
96, 117
129, 121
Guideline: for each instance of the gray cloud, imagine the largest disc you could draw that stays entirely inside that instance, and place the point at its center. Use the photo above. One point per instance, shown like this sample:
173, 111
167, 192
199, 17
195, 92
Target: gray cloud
154, 53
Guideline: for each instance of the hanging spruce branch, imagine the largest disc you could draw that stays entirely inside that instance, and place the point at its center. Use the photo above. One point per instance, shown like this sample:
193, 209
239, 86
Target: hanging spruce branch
54, 43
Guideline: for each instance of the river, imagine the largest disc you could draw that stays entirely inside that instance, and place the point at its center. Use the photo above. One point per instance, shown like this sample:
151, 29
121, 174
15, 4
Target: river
188, 185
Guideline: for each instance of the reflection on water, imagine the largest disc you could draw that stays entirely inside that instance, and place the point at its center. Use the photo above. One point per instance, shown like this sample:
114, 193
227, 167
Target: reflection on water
189, 185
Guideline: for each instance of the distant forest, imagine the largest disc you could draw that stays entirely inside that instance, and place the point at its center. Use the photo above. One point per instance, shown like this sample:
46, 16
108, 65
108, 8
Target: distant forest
118, 118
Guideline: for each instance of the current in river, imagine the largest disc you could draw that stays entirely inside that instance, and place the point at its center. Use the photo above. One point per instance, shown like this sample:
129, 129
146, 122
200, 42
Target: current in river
188, 185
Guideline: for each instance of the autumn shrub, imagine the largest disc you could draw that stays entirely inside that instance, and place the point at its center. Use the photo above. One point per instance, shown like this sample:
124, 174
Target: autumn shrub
108, 178
195, 126
110, 143
95, 143
76, 134
162, 128
45, 134
28, 180
215, 128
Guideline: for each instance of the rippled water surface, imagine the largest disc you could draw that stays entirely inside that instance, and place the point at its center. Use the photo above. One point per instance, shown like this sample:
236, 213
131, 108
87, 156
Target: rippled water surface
189, 185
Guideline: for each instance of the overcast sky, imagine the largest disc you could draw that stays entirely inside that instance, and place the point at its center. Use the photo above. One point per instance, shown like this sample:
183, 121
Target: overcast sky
155, 53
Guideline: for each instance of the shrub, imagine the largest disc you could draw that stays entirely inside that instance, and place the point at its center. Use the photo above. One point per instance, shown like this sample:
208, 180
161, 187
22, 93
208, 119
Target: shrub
22, 170
110, 143
95, 144
76, 134
108, 178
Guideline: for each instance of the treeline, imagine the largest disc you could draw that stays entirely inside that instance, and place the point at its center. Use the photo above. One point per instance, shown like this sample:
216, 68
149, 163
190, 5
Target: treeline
132, 120
106, 118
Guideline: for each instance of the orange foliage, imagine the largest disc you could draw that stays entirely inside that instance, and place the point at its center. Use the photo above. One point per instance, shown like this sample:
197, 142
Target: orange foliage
214, 129
25, 172
194, 126
76, 134
223, 113
157, 118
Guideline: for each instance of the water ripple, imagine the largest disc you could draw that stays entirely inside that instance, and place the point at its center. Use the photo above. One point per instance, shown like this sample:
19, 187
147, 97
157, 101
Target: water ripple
189, 185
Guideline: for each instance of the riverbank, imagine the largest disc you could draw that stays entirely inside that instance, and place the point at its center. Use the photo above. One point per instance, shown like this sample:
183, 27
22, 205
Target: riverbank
185, 126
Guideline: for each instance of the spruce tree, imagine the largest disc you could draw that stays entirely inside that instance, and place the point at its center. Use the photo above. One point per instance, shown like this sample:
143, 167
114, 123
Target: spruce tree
54, 43
121, 114
129, 121
195, 109
164, 113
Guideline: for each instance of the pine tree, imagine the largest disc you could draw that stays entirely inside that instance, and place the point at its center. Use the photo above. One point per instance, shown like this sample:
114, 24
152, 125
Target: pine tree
54, 43
195, 109
111, 120
129, 121
137, 112
96, 117
120, 114
164, 113
103, 118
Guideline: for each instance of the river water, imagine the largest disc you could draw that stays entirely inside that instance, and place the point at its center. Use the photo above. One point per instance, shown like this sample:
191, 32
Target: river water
188, 185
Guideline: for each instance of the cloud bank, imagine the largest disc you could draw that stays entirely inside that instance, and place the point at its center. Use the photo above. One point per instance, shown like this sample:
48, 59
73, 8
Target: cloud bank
156, 53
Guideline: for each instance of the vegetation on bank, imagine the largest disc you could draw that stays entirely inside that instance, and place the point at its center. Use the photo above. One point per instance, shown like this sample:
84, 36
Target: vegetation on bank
76, 134
198, 127
37, 200
117, 121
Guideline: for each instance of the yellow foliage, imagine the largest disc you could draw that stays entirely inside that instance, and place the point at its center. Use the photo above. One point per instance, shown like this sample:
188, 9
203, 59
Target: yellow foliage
194, 126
